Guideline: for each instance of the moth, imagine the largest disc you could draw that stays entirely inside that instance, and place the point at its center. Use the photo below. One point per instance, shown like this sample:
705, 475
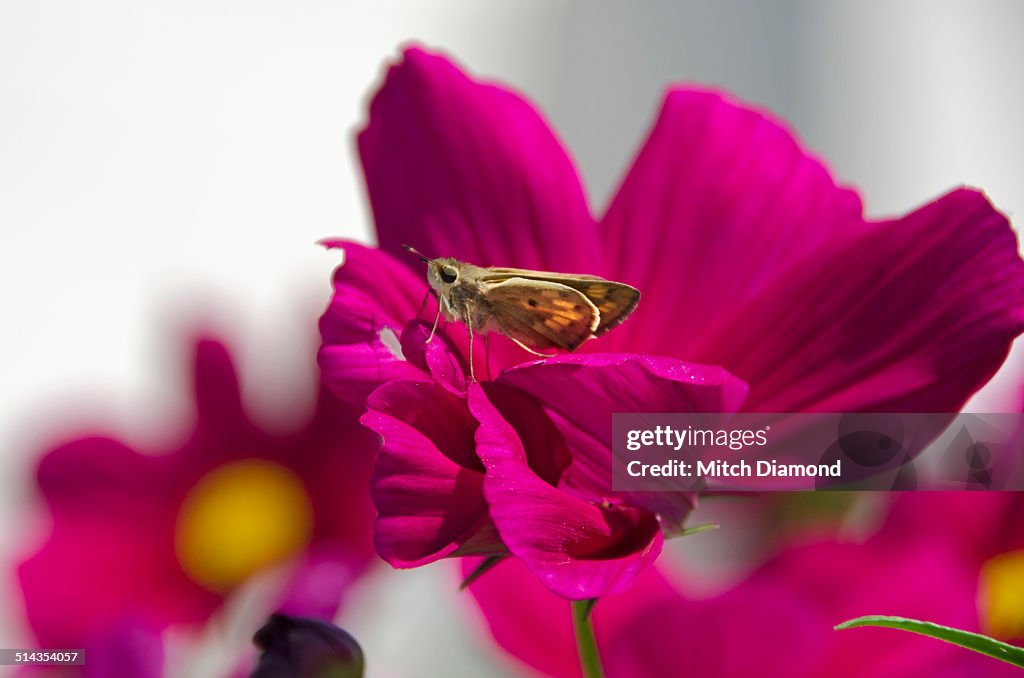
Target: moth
535, 309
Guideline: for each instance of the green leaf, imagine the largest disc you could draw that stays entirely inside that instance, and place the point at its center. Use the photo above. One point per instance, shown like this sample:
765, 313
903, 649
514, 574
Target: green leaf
1011, 654
483, 567
697, 529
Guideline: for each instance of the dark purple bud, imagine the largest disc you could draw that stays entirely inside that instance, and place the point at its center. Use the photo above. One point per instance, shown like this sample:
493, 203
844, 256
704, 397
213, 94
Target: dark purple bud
295, 647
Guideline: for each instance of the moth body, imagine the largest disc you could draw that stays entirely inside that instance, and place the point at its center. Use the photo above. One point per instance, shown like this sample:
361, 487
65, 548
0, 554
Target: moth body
462, 300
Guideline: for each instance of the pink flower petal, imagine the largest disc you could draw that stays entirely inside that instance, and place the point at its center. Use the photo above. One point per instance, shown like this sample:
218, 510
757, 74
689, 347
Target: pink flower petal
534, 625
526, 619
439, 357
975, 524
127, 648
456, 167
372, 294
334, 457
577, 549
918, 578
780, 618
753, 630
913, 316
115, 510
317, 583
581, 392
427, 482
720, 200
215, 382
110, 520
652, 630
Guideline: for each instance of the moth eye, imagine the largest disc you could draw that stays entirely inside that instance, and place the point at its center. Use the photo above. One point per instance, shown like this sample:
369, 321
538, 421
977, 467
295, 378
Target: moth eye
448, 274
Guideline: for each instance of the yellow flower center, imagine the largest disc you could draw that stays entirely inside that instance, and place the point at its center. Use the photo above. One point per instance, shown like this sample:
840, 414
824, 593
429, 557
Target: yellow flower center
239, 518
1001, 595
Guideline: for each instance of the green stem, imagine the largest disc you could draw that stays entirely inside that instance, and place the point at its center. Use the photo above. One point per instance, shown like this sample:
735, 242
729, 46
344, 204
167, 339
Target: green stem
586, 643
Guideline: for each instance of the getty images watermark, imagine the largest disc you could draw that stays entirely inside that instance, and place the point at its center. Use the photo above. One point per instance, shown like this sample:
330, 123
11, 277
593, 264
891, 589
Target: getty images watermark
765, 452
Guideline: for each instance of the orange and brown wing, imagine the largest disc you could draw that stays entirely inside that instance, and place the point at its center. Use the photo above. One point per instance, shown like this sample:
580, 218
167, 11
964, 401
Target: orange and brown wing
543, 314
614, 301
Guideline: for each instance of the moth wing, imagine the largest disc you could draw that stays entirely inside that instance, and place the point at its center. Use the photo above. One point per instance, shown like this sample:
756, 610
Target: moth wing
494, 274
614, 301
541, 313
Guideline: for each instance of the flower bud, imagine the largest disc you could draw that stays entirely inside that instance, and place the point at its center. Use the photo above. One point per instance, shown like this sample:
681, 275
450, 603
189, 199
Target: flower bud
295, 647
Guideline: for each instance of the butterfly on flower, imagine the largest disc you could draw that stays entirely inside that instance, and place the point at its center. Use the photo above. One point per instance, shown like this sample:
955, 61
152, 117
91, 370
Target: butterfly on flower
535, 309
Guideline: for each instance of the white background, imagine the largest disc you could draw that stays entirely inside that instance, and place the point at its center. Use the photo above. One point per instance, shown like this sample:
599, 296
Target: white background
168, 164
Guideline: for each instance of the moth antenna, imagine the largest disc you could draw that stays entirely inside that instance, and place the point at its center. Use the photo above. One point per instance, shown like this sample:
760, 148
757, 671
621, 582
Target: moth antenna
419, 254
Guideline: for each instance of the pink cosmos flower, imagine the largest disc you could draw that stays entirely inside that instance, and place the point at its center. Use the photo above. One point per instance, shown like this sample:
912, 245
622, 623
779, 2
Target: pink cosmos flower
748, 257
145, 539
778, 622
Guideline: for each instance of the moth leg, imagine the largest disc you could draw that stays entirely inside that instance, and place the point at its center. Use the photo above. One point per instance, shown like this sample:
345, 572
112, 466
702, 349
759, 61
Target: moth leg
423, 304
528, 349
436, 318
472, 374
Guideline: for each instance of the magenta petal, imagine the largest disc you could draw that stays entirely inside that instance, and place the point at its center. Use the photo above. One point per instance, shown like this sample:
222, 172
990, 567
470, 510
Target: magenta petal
218, 397
913, 316
974, 524
534, 625
437, 357
526, 619
652, 630
111, 522
427, 481
720, 200
455, 167
577, 549
317, 583
581, 392
129, 647
773, 627
373, 294
920, 578
782, 616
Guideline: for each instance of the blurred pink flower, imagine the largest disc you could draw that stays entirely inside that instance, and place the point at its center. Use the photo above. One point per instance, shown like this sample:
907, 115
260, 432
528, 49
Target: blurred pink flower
778, 622
986, 532
144, 540
748, 256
